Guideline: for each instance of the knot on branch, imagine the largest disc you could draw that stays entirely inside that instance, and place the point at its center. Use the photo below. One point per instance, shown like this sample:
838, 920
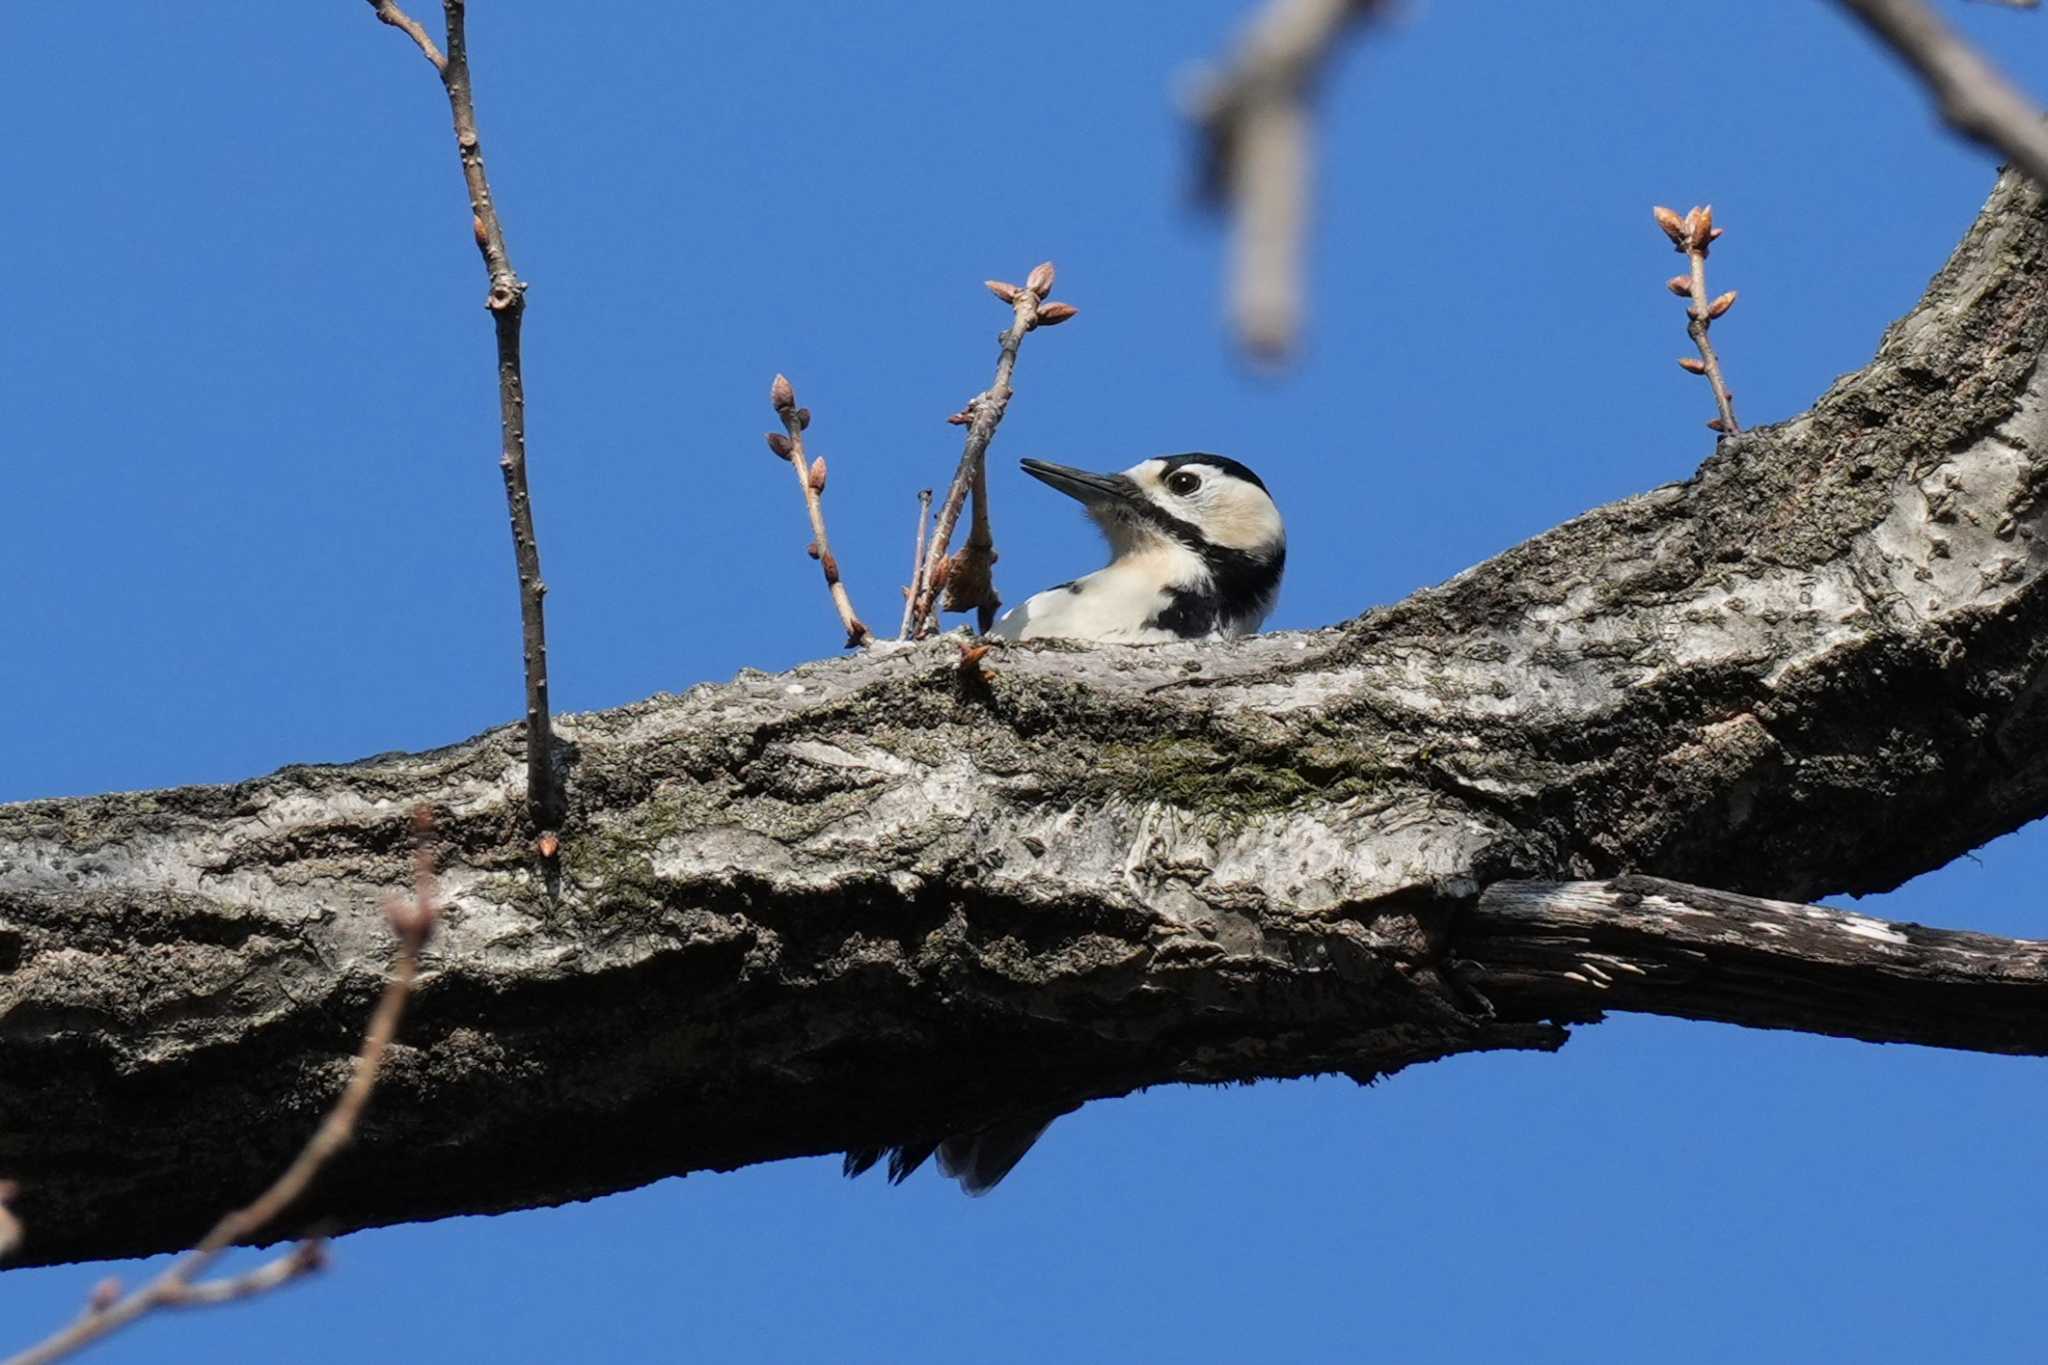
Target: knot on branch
506, 296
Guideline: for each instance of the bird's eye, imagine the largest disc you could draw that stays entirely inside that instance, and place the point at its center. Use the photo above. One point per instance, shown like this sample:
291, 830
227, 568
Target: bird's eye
1182, 482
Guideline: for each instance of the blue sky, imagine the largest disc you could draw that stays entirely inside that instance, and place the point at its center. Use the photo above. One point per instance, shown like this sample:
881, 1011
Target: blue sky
253, 518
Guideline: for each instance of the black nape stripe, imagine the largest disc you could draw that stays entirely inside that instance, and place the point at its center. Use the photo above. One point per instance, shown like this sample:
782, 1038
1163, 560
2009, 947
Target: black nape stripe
1241, 588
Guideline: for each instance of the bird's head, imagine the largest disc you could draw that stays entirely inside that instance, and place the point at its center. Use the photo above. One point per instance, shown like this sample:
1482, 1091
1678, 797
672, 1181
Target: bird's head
1202, 503
1202, 526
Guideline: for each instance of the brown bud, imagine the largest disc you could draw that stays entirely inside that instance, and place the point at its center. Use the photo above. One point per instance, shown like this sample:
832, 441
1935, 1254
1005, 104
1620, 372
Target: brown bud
1680, 285
1716, 424
1715, 235
818, 475
1053, 314
549, 844
1700, 224
812, 549
104, 1295
1006, 292
781, 394
858, 634
779, 443
1040, 282
483, 238
970, 655
831, 563
1721, 304
1693, 363
1673, 225
960, 418
803, 419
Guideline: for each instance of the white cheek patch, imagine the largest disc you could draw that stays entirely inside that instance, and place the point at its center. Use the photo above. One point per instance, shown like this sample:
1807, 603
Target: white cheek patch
1241, 518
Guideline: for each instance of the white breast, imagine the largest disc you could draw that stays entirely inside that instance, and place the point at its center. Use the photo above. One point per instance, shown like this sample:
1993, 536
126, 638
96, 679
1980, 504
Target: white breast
1111, 604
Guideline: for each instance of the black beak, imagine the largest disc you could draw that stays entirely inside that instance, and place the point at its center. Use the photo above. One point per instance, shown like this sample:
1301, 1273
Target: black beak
1091, 489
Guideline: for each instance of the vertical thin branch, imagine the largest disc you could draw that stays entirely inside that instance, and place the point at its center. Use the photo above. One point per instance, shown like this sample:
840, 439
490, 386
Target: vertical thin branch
506, 302
1693, 236
1257, 159
810, 478
179, 1284
924, 511
1973, 96
967, 577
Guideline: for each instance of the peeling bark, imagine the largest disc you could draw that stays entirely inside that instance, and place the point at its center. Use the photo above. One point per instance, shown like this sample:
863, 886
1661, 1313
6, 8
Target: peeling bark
870, 901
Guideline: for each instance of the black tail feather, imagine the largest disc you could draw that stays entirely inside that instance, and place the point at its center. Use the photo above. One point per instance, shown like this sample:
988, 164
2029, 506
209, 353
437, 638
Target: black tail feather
978, 1160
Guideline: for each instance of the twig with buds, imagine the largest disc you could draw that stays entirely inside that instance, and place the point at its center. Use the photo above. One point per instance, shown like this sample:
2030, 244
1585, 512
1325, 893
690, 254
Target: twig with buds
180, 1285
506, 302
968, 577
1973, 96
924, 511
810, 477
1255, 130
1692, 237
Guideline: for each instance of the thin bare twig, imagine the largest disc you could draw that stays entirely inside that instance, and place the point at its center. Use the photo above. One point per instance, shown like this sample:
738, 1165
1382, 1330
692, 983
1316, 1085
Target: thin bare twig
1256, 158
1693, 236
1973, 97
924, 511
506, 302
391, 14
811, 479
179, 1284
967, 578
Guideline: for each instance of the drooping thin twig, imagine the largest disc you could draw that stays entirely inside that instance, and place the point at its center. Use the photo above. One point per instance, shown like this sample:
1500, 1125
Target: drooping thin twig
1693, 236
924, 511
506, 302
1972, 95
180, 1285
967, 578
810, 477
1256, 160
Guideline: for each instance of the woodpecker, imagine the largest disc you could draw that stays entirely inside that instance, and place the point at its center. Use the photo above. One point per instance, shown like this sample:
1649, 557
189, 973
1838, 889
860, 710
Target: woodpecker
1196, 552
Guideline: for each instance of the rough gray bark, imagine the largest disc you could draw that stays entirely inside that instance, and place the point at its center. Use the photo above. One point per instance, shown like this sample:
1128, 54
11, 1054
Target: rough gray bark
870, 901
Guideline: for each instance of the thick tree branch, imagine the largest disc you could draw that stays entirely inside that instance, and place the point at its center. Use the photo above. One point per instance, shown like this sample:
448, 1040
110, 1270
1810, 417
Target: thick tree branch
179, 1284
1550, 950
1974, 98
506, 302
873, 901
